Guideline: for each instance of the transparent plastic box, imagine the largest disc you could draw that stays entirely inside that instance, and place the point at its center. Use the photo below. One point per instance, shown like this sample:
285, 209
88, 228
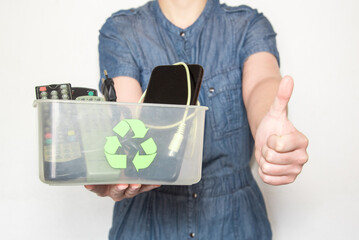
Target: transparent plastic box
83, 142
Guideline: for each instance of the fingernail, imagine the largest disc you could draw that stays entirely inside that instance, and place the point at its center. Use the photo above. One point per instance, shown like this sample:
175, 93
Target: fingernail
135, 187
122, 187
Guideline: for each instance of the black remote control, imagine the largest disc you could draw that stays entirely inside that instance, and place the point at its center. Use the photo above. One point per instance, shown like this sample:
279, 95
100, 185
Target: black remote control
54, 91
82, 92
62, 151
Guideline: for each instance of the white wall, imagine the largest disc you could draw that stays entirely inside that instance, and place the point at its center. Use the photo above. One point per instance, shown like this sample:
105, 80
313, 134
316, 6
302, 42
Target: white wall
54, 41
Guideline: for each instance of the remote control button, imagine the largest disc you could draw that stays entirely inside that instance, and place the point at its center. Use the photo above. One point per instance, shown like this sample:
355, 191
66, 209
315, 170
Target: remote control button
63, 86
43, 94
48, 141
48, 135
53, 92
42, 89
64, 91
91, 93
54, 97
65, 96
44, 97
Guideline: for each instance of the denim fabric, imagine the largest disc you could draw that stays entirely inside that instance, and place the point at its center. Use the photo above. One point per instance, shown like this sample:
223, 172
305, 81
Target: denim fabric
226, 203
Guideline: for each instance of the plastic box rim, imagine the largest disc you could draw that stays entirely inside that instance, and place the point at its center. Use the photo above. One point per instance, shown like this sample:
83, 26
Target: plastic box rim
35, 103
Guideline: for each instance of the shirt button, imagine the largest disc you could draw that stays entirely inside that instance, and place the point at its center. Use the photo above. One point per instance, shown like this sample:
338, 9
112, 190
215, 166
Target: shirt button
192, 235
195, 195
211, 90
182, 34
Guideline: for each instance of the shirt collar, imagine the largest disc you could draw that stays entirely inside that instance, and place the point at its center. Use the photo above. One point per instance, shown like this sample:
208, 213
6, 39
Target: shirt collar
209, 8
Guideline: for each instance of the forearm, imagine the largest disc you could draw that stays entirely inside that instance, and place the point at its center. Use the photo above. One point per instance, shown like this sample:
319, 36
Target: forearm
259, 101
127, 89
261, 78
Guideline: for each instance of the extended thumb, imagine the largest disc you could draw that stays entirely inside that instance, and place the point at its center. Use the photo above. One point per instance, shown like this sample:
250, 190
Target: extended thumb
283, 95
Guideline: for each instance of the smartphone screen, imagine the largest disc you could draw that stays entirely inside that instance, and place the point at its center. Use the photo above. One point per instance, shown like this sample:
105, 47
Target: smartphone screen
168, 84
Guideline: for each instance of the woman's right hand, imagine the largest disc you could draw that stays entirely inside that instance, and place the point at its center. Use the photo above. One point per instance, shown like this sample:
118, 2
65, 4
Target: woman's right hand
120, 191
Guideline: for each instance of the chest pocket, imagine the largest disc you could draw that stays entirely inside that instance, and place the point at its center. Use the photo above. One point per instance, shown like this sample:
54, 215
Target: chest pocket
226, 108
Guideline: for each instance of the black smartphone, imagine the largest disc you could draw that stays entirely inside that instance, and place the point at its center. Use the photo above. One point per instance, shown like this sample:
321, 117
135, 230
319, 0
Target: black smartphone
168, 84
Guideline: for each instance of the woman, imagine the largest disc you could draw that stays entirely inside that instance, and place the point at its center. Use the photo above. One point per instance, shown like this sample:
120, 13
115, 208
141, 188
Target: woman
246, 97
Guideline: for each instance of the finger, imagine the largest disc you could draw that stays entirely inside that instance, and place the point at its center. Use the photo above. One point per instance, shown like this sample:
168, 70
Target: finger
276, 180
117, 192
299, 156
132, 190
89, 187
288, 142
257, 155
100, 190
280, 170
146, 188
281, 100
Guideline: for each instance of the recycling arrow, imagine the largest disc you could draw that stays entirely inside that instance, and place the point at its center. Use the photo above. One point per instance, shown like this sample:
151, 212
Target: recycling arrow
116, 161
113, 144
144, 161
138, 127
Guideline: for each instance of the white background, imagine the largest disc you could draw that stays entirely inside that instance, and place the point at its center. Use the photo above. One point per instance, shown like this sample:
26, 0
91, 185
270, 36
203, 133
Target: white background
54, 41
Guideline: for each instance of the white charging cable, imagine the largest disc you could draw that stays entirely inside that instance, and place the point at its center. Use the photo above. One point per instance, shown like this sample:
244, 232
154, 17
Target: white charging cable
177, 139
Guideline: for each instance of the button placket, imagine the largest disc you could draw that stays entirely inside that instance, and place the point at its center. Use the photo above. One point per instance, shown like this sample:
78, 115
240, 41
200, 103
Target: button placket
193, 196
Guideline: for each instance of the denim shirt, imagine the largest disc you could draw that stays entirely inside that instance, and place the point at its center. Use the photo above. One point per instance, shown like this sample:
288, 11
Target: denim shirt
226, 203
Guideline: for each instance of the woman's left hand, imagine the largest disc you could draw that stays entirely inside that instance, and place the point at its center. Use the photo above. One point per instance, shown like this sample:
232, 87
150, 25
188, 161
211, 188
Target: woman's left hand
280, 149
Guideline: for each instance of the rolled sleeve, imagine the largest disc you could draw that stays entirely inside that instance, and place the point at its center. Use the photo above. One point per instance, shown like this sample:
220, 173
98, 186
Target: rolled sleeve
115, 54
260, 37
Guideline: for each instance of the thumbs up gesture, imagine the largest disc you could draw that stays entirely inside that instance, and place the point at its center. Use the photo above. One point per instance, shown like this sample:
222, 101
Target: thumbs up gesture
280, 149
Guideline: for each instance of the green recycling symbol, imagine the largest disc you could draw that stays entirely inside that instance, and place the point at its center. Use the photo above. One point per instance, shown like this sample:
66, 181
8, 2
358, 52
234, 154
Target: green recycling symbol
139, 129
